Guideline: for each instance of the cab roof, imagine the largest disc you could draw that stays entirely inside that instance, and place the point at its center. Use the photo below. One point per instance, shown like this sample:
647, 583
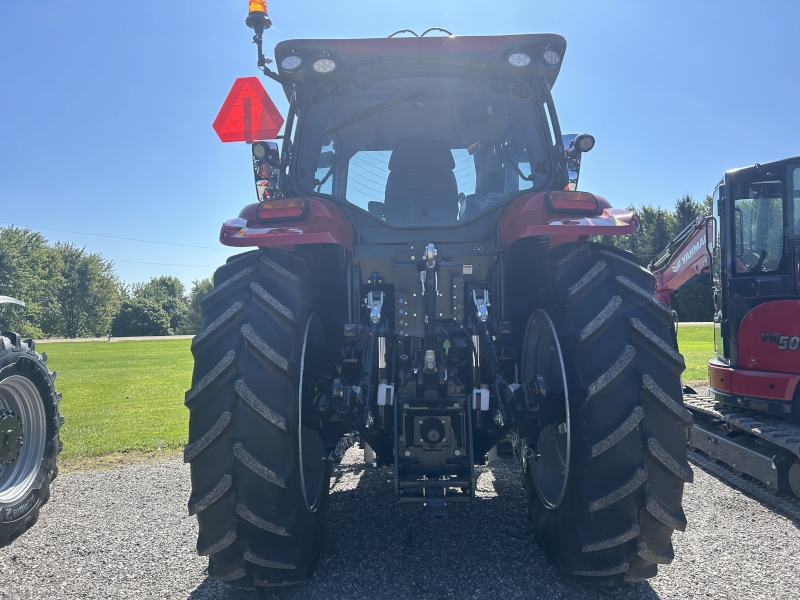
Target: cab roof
476, 53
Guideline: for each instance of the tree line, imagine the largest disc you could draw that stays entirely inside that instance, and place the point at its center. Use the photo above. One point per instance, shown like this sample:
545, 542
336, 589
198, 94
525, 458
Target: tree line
72, 293
693, 301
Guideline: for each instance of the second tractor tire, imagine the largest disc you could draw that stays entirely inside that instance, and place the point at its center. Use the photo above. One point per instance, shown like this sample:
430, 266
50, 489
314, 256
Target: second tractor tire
29, 435
628, 424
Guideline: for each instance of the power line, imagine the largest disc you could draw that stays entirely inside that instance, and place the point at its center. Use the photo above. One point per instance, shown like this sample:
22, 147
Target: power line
363, 184
361, 175
136, 262
366, 167
371, 158
114, 237
359, 190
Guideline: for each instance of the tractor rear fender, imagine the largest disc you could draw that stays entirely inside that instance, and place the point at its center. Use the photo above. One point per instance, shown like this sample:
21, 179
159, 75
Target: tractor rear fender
529, 216
323, 223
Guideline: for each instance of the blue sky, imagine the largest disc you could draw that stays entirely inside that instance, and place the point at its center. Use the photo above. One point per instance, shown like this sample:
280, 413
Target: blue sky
106, 114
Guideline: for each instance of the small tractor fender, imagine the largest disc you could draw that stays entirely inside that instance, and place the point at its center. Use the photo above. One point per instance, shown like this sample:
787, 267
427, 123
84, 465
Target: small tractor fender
323, 223
9, 300
529, 215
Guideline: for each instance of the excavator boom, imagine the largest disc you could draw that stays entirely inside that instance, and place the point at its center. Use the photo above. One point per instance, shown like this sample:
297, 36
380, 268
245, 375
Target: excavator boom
687, 255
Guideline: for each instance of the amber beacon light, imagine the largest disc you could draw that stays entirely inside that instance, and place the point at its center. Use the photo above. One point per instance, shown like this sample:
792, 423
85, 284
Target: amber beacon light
258, 19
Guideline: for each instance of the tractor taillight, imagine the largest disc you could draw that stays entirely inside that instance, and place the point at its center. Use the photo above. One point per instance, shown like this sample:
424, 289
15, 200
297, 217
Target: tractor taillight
285, 208
583, 202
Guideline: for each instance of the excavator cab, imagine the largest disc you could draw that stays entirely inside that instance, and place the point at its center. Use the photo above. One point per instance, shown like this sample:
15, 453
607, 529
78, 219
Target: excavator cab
757, 288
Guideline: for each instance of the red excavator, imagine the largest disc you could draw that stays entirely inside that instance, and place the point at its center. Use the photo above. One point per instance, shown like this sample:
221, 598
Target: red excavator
748, 431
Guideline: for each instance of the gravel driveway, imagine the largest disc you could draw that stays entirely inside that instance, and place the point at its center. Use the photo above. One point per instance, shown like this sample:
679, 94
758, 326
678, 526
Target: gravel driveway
126, 534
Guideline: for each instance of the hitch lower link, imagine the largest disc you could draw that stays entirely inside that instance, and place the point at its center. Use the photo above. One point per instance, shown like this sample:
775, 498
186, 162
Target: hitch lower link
352, 402
514, 402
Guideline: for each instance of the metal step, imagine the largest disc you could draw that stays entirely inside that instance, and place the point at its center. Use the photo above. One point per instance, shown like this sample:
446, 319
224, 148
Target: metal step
743, 453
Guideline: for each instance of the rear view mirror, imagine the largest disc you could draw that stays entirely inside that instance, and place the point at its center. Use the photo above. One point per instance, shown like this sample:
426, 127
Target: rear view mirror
573, 176
574, 146
266, 169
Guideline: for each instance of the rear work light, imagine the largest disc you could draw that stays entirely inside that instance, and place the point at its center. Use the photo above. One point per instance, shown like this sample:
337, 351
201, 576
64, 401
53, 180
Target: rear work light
323, 65
582, 202
285, 208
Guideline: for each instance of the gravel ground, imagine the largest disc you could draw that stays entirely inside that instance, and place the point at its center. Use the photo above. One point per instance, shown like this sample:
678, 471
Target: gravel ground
126, 534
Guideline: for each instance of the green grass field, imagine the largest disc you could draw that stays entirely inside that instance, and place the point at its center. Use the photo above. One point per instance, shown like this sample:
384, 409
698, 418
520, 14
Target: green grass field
122, 396
127, 397
696, 343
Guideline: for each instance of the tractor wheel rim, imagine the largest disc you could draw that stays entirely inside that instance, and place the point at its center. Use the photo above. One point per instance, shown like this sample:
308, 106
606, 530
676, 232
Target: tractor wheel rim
18, 395
542, 356
310, 448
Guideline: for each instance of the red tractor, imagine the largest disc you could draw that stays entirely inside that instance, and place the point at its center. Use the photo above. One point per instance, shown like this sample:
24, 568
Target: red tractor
423, 284
751, 423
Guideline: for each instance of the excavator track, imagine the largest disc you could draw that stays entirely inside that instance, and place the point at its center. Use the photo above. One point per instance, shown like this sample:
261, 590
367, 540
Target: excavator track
772, 449
783, 503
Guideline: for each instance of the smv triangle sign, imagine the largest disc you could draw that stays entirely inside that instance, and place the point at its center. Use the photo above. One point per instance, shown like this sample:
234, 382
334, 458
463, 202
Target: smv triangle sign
248, 113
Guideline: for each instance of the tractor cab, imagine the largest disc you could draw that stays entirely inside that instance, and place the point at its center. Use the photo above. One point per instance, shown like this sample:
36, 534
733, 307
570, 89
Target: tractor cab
423, 132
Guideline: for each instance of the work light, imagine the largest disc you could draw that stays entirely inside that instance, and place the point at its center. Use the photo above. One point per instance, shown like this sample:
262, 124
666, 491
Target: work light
291, 62
551, 57
324, 65
584, 142
519, 59
259, 151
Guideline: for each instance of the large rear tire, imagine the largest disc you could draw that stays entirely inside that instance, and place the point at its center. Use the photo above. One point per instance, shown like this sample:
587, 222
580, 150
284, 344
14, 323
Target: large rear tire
627, 462
29, 435
259, 481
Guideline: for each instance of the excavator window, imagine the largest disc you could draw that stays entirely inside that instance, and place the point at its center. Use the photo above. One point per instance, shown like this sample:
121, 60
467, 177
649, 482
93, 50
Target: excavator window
758, 225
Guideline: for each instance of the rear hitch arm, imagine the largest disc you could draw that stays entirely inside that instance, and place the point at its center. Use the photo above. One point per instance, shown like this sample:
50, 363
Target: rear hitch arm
516, 403
481, 300
374, 302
